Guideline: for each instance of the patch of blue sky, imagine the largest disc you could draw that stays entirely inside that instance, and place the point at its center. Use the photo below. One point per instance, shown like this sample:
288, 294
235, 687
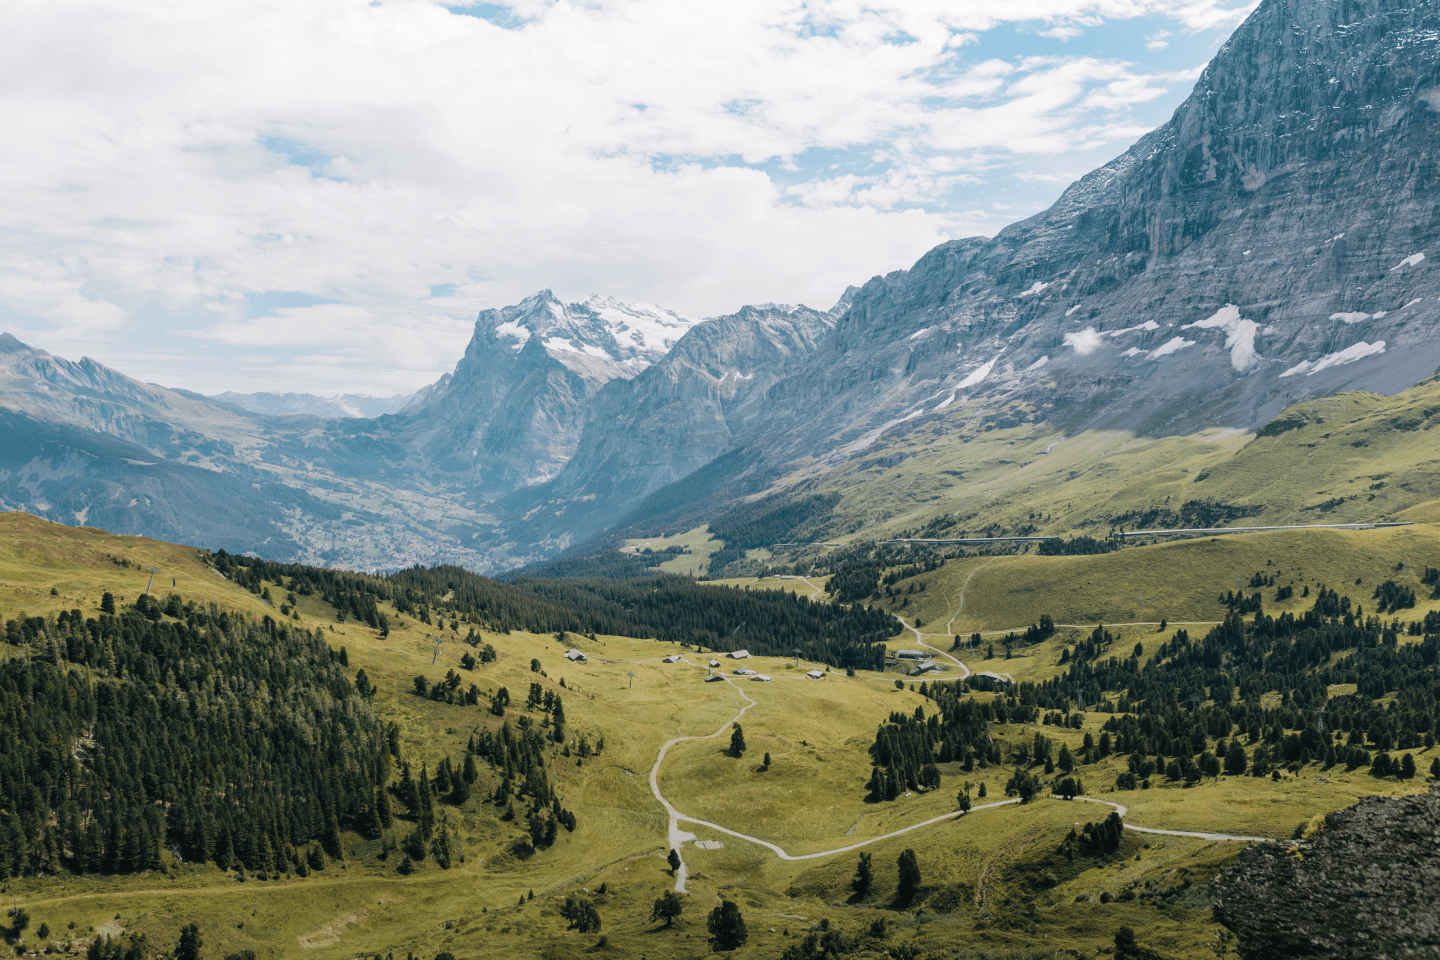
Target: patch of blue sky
500, 14
299, 154
744, 107
442, 290
900, 38
266, 302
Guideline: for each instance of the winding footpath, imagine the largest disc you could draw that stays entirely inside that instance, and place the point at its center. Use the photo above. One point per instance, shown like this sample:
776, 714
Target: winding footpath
677, 836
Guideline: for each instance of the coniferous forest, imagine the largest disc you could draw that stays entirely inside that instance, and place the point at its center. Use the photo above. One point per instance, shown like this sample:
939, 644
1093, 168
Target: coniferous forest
221, 738
1197, 709
661, 606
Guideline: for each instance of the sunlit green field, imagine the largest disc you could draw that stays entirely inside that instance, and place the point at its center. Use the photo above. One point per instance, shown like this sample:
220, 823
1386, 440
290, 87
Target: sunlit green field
992, 879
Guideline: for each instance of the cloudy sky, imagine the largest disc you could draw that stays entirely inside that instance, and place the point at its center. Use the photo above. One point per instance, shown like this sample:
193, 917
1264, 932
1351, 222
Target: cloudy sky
318, 195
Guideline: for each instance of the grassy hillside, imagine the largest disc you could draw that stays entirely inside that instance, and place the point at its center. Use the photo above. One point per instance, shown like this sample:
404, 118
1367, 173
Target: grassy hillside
1348, 458
991, 881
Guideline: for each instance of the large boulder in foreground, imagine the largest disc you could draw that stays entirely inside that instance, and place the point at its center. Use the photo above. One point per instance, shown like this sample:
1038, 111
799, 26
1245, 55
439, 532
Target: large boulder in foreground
1367, 885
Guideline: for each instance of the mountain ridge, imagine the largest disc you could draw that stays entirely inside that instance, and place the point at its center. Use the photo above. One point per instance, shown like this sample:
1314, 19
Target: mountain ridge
1273, 242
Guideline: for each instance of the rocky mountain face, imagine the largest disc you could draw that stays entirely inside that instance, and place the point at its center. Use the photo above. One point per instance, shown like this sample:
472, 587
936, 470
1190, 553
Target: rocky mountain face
345, 405
694, 405
90, 395
1276, 240
510, 415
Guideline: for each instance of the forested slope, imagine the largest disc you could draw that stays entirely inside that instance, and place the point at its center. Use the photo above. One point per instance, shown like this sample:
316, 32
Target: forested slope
180, 727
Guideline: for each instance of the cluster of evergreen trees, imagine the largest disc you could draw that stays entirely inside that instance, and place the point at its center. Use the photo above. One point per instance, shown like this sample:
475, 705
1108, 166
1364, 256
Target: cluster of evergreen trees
1192, 513
666, 607
226, 739
907, 748
520, 758
1394, 597
1095, 839
1195, 693
1079, 547
768, 522
767, 622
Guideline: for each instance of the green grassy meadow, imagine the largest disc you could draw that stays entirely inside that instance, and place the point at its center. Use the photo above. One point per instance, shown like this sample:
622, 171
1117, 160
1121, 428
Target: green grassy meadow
993, 880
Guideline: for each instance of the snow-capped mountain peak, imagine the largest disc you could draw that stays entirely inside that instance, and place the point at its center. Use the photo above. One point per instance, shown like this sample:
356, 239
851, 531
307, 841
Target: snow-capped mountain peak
602, 329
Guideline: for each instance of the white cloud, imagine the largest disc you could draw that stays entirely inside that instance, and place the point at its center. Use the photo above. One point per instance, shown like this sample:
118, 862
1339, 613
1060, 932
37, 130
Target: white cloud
165, 161
1157, 41
1085, 341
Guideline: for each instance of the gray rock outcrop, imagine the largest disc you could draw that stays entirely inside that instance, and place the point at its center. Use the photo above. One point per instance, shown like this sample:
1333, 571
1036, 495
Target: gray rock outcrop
1367, 885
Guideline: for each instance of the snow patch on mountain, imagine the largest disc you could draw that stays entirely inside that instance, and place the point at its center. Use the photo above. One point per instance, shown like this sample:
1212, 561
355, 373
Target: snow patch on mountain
512, 330
1171, 346
978, 374
1239, 335
650, 328
1147, 325
1350, 354
1415, 259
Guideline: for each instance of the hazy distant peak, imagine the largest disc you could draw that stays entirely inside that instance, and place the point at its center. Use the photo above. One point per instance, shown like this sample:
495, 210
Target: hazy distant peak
345, 405
9, 344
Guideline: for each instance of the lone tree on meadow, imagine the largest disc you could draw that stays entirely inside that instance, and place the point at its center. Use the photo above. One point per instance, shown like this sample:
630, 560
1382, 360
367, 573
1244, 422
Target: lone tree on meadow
909, 884
190, 943
863, 876
667, 907
727, 927
582, 915
673, 858
737, 741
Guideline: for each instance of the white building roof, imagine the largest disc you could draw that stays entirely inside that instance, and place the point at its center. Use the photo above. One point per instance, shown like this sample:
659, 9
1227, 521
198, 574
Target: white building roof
740, 655
714, 678
743, 671
761, 676
575, 655
815, 674
673, 658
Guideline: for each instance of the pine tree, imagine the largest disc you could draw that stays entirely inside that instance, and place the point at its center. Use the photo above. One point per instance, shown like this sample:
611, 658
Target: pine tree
190, 943
727, 927
909, 882
673, 858
864, 876
737, 741
427, 808
667, 907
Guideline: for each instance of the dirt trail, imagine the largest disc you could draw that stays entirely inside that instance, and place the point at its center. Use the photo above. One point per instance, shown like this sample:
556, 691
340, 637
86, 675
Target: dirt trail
677, 837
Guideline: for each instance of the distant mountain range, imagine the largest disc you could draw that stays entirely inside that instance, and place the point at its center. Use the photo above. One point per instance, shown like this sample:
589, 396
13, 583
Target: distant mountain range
1274, 242
357, 405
